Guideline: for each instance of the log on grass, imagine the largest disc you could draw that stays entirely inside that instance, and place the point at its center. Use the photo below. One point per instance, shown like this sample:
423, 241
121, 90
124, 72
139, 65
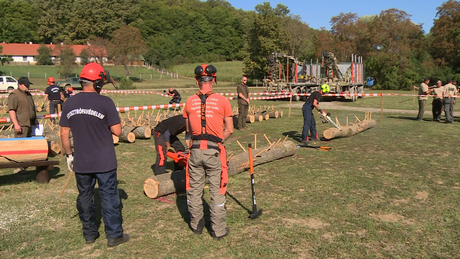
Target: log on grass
258, 116
349, 131
265, 115
281, 114
164, 184
139, 131
273, 114
127, 136
115, 139
54, 144
250, 119
15, 150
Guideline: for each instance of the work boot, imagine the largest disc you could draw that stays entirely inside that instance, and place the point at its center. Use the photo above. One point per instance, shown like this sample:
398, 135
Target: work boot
118, 240
227, 232
199, 228
92, 240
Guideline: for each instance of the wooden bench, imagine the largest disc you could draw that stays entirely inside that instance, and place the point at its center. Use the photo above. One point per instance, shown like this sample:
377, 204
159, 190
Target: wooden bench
41, 168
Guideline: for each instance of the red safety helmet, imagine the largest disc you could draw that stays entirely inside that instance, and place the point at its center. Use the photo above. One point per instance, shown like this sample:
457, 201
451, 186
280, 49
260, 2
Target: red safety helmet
93, 72
206, 71
51, 80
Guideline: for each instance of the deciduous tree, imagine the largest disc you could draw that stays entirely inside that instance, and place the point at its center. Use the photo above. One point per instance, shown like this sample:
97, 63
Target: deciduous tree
127, 46
66, 60
44, 55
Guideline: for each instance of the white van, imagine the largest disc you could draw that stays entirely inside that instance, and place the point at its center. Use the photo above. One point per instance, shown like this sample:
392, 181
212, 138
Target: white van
8, 83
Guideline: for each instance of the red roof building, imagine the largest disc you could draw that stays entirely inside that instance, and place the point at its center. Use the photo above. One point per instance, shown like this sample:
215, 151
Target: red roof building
27, 52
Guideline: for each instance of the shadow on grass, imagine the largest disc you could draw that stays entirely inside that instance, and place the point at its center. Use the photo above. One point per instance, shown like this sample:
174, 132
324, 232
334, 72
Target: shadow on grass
27, 175
239, 203
412, 118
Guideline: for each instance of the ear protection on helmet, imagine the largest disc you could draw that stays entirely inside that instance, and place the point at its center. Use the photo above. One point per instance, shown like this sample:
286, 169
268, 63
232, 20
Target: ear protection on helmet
205, 70
95, 73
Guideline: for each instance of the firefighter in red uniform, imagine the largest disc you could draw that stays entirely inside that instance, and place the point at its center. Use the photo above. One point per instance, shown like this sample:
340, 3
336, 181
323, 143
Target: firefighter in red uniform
205, 113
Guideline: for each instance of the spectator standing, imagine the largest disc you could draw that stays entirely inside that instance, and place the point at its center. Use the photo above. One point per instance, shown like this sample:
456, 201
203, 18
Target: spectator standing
423, 92
450, 93
437, 101
93, 119
209, 122
243, 103
21, 108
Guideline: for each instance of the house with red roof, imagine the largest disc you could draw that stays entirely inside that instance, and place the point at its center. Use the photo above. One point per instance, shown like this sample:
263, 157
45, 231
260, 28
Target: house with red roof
26, 53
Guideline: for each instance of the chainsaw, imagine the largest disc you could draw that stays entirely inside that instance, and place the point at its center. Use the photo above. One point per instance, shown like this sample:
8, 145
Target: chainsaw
325, 118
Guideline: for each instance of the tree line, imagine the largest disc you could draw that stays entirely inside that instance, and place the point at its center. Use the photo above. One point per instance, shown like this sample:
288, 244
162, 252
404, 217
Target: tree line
397, 53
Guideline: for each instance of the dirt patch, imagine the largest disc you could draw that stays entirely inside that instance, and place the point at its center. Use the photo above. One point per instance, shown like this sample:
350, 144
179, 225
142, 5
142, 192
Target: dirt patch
392, 217
423, 195
307, 222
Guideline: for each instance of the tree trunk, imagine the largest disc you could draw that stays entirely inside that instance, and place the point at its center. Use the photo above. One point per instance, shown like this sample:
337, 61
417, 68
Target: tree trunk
164, 184
139, 132
14, 150
127, 136
250, 119
350, 130
273, 114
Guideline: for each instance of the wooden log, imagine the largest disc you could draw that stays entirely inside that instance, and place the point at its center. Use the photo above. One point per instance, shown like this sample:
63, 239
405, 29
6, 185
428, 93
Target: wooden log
165, 184
14, 150
258, 116
273, 114
265, 115
53, 147
127, 136
349, 131
139, 131
250, 119
281, 114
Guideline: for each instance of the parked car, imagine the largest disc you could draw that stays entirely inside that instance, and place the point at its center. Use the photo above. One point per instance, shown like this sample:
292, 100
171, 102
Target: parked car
8, 83
71, 81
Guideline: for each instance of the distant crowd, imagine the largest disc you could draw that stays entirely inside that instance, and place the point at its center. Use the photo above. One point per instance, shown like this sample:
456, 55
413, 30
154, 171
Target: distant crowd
444, 98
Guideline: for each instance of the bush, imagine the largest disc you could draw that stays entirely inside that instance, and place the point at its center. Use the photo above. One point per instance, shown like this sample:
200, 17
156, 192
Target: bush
126, 84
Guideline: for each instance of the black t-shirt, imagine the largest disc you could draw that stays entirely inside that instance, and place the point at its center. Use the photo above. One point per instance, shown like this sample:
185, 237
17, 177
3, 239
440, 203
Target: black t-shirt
175, 125
175, 94
89, 116
53, 92
315, 95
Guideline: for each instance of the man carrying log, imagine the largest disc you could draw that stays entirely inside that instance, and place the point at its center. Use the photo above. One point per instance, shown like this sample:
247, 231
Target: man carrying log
175, 97
93, 118
309, 123
165, 136
205, 113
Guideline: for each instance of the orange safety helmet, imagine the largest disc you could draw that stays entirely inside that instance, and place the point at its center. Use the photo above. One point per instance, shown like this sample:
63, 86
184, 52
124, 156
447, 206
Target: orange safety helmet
206, 71
51, 80
95, 73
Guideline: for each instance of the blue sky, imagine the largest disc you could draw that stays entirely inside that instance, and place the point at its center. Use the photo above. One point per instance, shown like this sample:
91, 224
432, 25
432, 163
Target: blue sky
318, 14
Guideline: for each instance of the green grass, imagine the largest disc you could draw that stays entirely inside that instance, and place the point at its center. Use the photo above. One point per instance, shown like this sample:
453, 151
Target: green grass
226, 71
389, 192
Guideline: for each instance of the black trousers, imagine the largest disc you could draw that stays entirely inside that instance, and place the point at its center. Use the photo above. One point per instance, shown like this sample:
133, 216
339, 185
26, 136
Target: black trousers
54, 108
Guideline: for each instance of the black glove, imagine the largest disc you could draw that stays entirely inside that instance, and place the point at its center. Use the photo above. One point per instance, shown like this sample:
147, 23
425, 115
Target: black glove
321, 111
328, 114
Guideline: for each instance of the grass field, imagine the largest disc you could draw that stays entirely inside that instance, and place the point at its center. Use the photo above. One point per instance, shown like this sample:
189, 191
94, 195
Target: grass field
392, 191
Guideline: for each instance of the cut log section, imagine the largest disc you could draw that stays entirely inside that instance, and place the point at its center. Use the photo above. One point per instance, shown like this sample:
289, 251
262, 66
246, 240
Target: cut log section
250, 119
127, 136
115, 139
139, 132
16, 150
273, 114
164, 184
349, 131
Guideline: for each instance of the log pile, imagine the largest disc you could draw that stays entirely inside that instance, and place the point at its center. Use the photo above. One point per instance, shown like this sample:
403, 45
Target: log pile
350, 129
164, 184
258, 114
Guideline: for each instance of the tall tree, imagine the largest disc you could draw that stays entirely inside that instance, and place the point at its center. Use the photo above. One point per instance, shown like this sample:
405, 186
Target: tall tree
344, 30
299, 37
66, 60
265, 37
126, 51
98, 49
44, 55
18, 21
84, 57
445, 47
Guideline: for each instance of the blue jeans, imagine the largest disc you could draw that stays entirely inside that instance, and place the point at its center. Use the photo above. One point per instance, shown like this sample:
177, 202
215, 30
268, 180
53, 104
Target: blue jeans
309, 123
110, 204
175, 101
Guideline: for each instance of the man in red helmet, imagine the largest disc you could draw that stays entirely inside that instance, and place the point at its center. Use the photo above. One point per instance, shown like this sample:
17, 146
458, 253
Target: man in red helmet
205, 113
55, 95
93, 119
